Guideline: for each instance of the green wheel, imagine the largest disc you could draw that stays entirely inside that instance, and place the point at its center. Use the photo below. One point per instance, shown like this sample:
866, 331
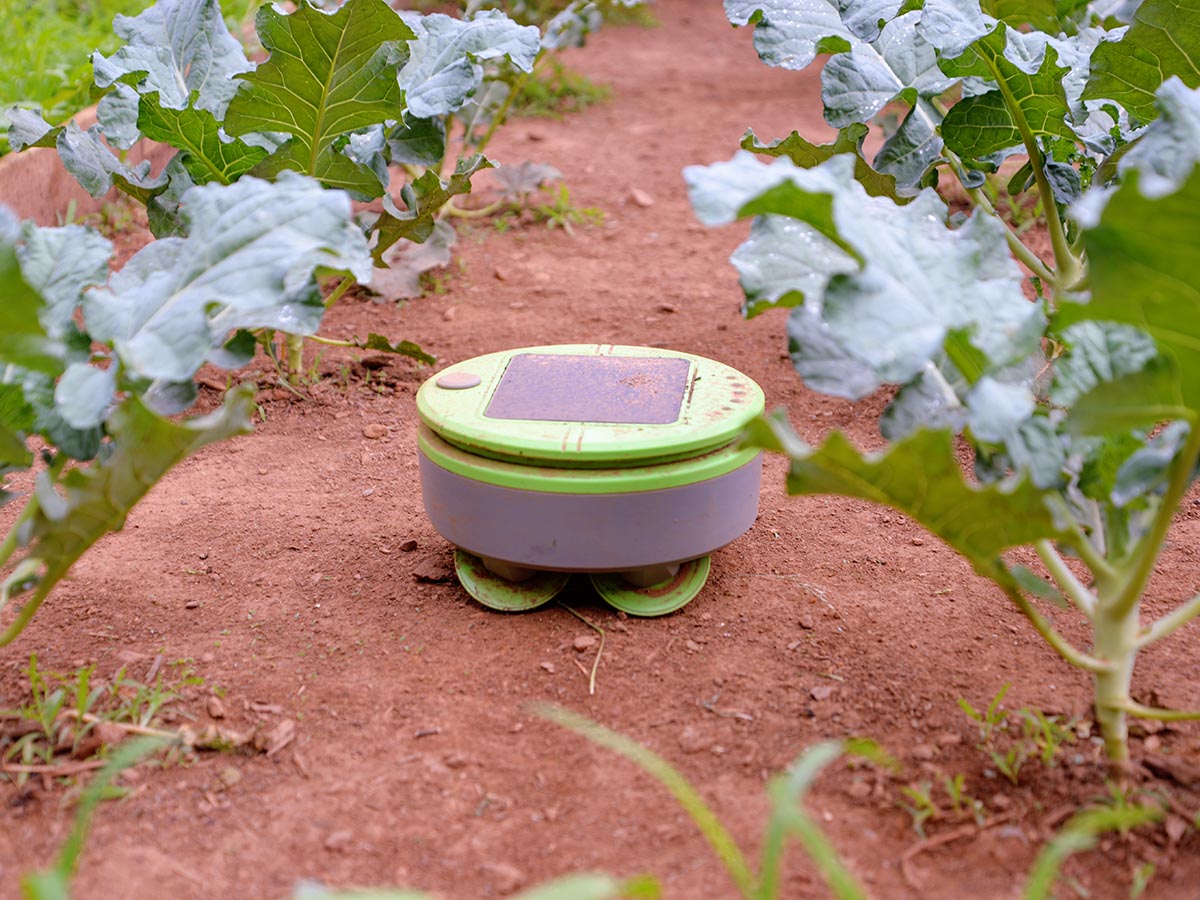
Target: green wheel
499, 593
657, 599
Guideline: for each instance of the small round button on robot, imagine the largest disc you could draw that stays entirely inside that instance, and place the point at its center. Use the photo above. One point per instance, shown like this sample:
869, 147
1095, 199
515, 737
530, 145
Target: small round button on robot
458, 381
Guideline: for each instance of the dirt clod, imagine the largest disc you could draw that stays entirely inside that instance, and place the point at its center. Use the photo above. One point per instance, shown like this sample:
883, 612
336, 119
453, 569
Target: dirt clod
584, 642
821, 692
408, 546
433, 570
374, 431
216, 709
338, 841
692, 740
505, 877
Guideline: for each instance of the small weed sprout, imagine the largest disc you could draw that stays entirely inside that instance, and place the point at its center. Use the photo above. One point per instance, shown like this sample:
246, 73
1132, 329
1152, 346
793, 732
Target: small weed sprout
1037, 735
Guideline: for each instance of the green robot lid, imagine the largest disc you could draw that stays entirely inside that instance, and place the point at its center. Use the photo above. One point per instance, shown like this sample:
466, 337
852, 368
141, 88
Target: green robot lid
588, 405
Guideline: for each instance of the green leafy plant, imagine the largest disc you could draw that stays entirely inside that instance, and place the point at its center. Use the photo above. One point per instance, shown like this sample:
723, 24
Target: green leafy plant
556, 91
1079, 407
919, 802
91, 364
788, 819
59, 724
1040, 736
181, 78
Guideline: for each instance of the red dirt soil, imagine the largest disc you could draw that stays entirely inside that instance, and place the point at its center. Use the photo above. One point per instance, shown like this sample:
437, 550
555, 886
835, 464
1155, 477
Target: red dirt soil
275, 564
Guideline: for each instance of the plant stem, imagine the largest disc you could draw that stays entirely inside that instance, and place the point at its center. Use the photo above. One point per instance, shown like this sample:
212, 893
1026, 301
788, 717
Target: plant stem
1145, 555
1070, 585
336, 294
1169, 623
1061, 645
1116, 632
1067, 264
981, 201
1162, 715
294, 344
482, 213
502, 112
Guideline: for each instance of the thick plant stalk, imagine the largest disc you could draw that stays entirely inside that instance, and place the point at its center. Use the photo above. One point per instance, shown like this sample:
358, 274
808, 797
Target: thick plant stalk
1116, 633
294, 346
1067, 266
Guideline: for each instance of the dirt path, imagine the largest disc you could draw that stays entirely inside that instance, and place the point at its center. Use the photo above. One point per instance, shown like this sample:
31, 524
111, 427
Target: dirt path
274, 565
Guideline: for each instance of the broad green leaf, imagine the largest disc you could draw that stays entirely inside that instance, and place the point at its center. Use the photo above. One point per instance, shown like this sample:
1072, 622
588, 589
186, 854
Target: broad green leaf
204, 152
27, 128
60, 264
1097, 352
984, 124
1165, 154
790, 33
921, 477
175, 48
369, 150
83, 395
248, 261
1138, 399
77, 443
819, 358
327, 75
996, 410
806, 155
1164, 41
931, 400
424, 198
899, 65
88, 502
952, 26
418, 142
907, 156
97, 169
405, 262
162, 212
16, 421
1146, 470
117, 113
443, 70
24, 340
1037, 586
720, 192
895, 312
399, 348
1142, 254
1040, 14
1036, 449
785, 261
